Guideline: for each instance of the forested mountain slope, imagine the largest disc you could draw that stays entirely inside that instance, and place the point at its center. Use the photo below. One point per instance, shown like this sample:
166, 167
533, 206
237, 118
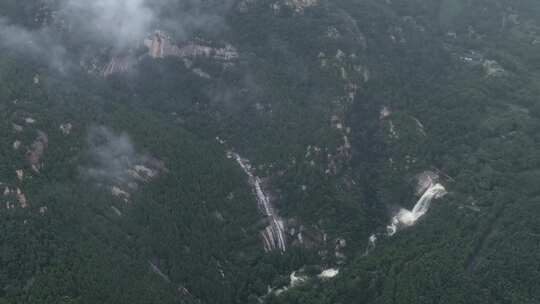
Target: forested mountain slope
269, 151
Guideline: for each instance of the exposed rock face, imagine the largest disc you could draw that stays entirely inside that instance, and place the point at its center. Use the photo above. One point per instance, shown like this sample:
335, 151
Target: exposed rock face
136, 175
385, 113
36, 150
295, 280
309, 237
17, 144
117, 164
8, 197
300, 5
201, 73
117, 65
21, 198
157, 45
43, 210
20, 174
14, 195
142, 173
491, 67
66, 128
160, 46
117, 192
352, 72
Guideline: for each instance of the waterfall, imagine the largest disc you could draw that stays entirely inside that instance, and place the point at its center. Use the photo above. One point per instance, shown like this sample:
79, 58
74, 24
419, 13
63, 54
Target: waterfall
429, 190
406, 218
274, 234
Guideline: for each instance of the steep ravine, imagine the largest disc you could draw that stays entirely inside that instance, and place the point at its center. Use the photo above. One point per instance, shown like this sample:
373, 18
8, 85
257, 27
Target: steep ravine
274, 234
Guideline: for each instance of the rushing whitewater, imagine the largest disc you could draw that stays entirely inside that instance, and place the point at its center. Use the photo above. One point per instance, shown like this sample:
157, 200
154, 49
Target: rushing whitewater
406, 218
328, 273
429, 189
274, 234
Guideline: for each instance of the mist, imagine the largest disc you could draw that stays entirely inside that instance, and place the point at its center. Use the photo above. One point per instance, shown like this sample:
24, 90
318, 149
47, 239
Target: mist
40, 43
111, 155
120, 23
107, 25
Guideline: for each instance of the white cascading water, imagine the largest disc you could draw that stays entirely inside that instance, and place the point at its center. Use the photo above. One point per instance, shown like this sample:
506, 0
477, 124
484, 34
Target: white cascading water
406, 218
430, 190
274, 234
328, 273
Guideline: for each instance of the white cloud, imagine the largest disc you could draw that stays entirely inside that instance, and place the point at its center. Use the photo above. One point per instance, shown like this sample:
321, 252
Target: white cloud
111, 154
120, 22
117, 24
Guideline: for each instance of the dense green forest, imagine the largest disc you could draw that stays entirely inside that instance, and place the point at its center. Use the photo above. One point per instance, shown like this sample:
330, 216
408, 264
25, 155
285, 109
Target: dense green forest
117, 183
